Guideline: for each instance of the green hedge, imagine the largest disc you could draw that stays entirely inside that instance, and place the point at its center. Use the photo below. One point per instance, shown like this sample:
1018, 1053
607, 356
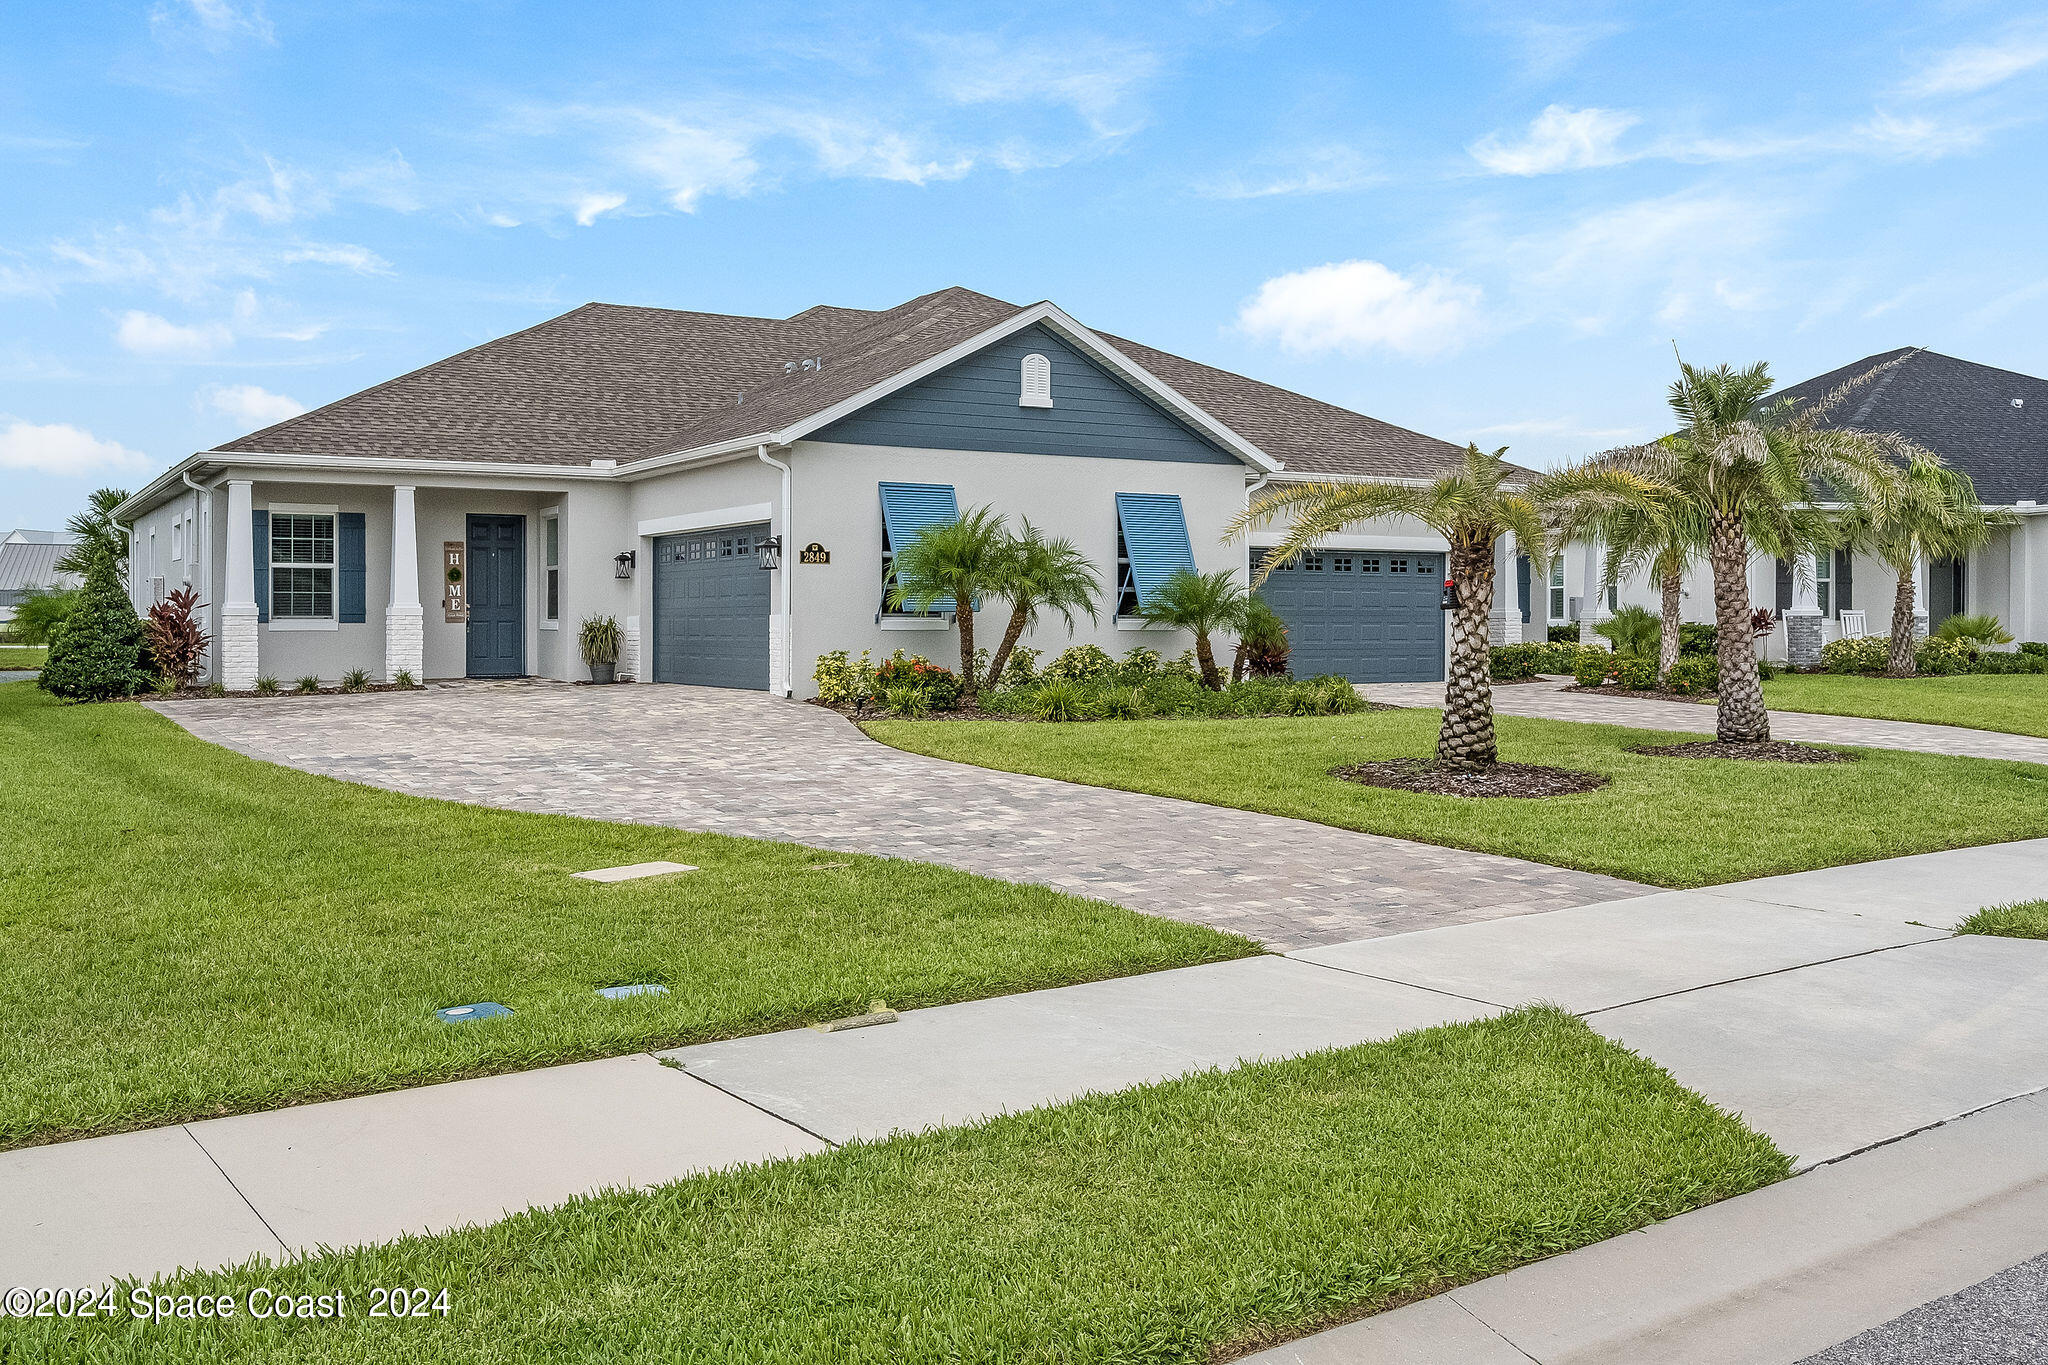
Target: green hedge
1871, 654
1172, 696
1512, 663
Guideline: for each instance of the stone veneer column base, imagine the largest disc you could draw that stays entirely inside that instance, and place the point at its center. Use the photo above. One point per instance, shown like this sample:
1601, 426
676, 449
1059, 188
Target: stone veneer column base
237, 645
405, 643
1588, 635
1920, 625
1802, 640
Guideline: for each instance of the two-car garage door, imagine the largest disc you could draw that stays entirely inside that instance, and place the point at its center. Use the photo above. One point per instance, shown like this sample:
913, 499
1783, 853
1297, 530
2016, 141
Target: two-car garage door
711, 608
1367, 615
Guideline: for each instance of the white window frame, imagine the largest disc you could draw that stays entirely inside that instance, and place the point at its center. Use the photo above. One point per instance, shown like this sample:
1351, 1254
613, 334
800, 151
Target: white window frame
178, 540
1034, 382
332, 621
551, 570
1824, 581
1555, 589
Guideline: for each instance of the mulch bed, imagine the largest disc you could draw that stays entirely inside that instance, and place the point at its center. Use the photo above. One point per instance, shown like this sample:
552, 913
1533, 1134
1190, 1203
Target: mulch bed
1645, 694
1526, 780
1767, 751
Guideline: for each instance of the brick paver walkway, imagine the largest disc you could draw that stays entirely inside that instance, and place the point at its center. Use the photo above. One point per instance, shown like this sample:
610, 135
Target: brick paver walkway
1550, 700
748, 764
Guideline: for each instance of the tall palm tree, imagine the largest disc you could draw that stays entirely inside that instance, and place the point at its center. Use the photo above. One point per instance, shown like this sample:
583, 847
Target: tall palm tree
1751, 468
97, 530
1202, 603
1040, 575
1936, 515
960, 559
1665, 538
1470, 505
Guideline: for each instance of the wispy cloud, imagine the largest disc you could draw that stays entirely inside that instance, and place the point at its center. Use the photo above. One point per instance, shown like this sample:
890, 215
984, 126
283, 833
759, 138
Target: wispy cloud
158, 338
64, 450
1971, 68
1317, 170
1559, 139
1097, 78
1356, 306
246, 403
1547, 48
218, 22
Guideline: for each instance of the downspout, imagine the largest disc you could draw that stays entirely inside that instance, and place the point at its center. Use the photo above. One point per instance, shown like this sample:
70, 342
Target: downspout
202, 531
783, 573
1250, 490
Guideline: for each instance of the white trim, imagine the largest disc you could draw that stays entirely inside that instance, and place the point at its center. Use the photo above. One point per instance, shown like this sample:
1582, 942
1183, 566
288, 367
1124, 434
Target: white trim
1140, 623
149, 495
916, 623
546, 624
273, 510
289, 623
304, 509
704, 521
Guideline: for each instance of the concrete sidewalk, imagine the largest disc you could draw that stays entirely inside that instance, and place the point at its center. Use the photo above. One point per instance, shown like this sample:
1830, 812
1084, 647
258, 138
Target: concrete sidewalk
1813, 1004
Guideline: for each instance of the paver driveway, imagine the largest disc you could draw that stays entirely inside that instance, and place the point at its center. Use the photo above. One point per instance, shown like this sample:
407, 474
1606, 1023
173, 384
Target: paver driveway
1554, 702
749, 764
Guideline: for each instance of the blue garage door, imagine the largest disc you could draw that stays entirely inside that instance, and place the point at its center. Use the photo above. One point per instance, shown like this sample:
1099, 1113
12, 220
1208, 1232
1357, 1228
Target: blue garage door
1368, 615
711, 608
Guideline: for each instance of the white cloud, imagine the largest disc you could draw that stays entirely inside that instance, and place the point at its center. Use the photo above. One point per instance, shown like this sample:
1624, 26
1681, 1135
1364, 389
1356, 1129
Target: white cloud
61, 449
1547, 48
1363, 306
1559, 139
1096, 78
249, 404
146, 334
216, 21
588, 208
1966, 70
1320, 170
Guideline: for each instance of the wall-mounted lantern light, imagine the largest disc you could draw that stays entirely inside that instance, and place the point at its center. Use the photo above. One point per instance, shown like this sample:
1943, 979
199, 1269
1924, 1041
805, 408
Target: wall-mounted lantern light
622, 564
771, 552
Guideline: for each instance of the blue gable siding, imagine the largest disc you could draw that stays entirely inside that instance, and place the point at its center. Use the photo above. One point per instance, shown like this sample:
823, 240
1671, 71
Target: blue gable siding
972, 405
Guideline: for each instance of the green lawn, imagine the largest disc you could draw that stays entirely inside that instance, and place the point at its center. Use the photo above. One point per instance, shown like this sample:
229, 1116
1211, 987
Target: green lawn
23, 656
1170, 1223
1667, 821
2026, 920
189, 932
2014, 702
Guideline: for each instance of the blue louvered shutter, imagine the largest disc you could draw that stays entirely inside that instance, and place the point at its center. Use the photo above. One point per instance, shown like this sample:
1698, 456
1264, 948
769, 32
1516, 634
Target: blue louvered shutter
351, 551
1155, 538
908, 508
259, 541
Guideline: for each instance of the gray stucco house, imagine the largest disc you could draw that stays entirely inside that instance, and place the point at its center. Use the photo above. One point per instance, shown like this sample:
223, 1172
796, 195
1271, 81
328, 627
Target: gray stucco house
731, 489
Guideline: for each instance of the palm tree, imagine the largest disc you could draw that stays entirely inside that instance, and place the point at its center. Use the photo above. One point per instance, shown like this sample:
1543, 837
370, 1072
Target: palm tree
1750, 469
1039, 574
1470, 505
1666, 542
1936, 515
97, 530
960, 559
1200, 602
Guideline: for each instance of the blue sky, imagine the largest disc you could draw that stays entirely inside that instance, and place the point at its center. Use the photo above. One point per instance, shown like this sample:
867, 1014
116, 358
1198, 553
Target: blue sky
1487, 221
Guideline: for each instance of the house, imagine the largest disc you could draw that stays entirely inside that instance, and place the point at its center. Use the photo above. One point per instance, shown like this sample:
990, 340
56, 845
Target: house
733, 489
1990, 423
28, 563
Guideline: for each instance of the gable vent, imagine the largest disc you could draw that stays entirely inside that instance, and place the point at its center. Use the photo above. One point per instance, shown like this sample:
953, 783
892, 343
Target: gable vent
1037, 382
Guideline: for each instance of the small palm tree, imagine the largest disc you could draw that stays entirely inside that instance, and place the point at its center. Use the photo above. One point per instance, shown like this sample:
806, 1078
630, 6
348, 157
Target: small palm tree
1202, 603
1041, 575
1666, 543
1936, 515
1471, 505
1633, 631
1978, 631
1747, 466
97, 532
960, 559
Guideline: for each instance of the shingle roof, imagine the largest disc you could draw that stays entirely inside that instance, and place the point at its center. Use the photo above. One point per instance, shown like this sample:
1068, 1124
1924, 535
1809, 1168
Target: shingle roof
1960, 410
33, 564
606, 381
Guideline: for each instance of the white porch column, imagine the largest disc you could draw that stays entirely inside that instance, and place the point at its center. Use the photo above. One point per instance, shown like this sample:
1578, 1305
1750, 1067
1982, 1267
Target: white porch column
1592, 609
238, 662
1802, 618
404, 620
1919, 596
1504, 626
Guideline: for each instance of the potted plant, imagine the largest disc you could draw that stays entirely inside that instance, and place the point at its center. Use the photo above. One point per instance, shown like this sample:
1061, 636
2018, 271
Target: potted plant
598, 638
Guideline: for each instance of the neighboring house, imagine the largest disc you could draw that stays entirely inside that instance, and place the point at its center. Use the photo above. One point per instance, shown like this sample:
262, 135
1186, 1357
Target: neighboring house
1992, 424
28, 563
653, 465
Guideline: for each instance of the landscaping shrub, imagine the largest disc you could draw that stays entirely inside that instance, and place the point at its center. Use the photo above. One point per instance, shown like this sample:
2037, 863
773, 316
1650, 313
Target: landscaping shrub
1698, 637
1080, 663
1124, 703
1936, 658
1563, 635
842, 682
1598, 667
907, 701
38, 614
172, 635
1022, 668
1174, 696
2036, 648
1059, 700
1694, 675
1186, 666
1975, 630
1137, 665
2011, 663
937, 685
1512, 663
1262, 647
1633, 630
307, 684
96, 654
1868, 654
266, 686
356, 680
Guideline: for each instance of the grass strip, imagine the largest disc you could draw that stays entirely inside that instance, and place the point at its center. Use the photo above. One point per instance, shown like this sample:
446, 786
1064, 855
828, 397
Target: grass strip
2028, 919
1675, 822
1173, 1223
2016, 703
190, 932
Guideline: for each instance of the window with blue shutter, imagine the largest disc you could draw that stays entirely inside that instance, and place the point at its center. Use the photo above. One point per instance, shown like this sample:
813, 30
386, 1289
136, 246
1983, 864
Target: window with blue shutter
352, 546
907, 508
1152, 544
259, 542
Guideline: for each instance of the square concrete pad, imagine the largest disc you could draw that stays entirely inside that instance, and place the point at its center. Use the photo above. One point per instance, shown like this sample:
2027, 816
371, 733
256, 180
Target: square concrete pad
969, 1061
1832, 1058
368, 1170
1933, 888
633, 872
1598, 956
144, 1204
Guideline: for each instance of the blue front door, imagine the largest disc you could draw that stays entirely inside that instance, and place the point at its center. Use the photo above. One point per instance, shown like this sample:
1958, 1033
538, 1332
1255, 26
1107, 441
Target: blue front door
497, 596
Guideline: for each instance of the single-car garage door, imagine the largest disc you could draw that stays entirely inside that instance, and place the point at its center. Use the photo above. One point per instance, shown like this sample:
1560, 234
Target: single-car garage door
711, 608
1368, 615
